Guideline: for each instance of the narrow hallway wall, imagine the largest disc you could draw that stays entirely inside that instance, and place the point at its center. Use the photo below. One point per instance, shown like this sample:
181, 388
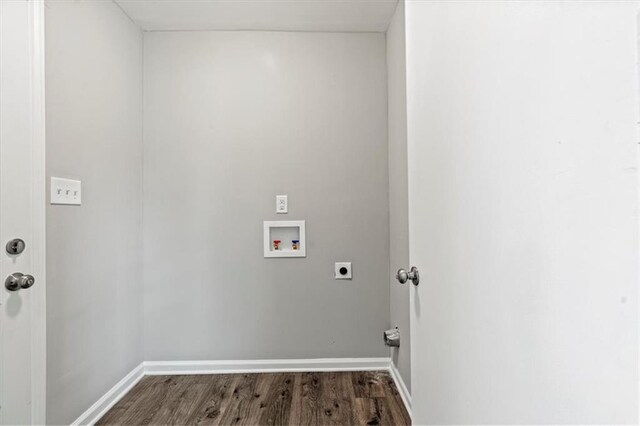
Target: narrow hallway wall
94, 133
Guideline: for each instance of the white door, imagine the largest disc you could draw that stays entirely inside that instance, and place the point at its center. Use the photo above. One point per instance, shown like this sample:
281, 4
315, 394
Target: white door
523, 208
22, 339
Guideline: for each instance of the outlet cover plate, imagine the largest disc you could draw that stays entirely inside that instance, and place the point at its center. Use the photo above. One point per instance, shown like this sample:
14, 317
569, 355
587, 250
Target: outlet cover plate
339, 275
282, 204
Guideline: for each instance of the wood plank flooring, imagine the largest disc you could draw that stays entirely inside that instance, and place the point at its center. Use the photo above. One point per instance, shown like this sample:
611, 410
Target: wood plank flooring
349, 398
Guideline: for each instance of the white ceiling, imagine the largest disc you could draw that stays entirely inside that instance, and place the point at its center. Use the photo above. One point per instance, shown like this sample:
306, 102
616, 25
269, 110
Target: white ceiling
276, 15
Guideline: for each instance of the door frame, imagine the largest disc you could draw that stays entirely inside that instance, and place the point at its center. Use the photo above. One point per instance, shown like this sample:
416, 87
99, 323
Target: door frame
36, 57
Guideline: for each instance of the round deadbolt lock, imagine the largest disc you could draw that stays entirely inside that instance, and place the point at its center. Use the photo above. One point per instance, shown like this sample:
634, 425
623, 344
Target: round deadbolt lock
15, 246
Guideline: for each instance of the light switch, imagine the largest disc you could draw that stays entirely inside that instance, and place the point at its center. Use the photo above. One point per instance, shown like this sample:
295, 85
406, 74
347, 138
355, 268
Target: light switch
66, 191
282, 204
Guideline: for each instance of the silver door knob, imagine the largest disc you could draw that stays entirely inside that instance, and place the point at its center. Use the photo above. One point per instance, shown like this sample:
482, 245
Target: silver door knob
403, 276
18, 280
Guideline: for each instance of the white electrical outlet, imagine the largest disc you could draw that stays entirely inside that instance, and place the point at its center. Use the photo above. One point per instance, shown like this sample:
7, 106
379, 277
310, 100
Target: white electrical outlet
66, 191
282, 204
343, 271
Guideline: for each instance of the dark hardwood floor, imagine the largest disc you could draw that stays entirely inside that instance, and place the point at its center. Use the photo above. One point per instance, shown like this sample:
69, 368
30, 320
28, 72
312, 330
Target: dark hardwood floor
349, 398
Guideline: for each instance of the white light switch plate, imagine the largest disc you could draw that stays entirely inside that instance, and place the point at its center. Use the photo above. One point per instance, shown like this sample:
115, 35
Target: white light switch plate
66, 191
282, 204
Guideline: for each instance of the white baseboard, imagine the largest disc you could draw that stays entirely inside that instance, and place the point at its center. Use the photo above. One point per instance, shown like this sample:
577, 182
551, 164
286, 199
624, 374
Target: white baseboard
264, 366
109, 399
402, 388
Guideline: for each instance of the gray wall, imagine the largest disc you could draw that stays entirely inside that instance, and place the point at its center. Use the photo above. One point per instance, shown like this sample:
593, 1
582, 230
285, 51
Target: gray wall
231, 120
94, 133
398, 199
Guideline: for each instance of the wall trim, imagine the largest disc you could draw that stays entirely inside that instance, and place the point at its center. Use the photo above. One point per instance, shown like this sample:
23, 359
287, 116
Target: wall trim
264, 366
109, 399
402, 388
38, 214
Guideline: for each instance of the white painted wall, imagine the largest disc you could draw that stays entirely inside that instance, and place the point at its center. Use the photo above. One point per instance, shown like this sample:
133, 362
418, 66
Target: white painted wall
94, 133
231, 120
398, 202
523, 183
